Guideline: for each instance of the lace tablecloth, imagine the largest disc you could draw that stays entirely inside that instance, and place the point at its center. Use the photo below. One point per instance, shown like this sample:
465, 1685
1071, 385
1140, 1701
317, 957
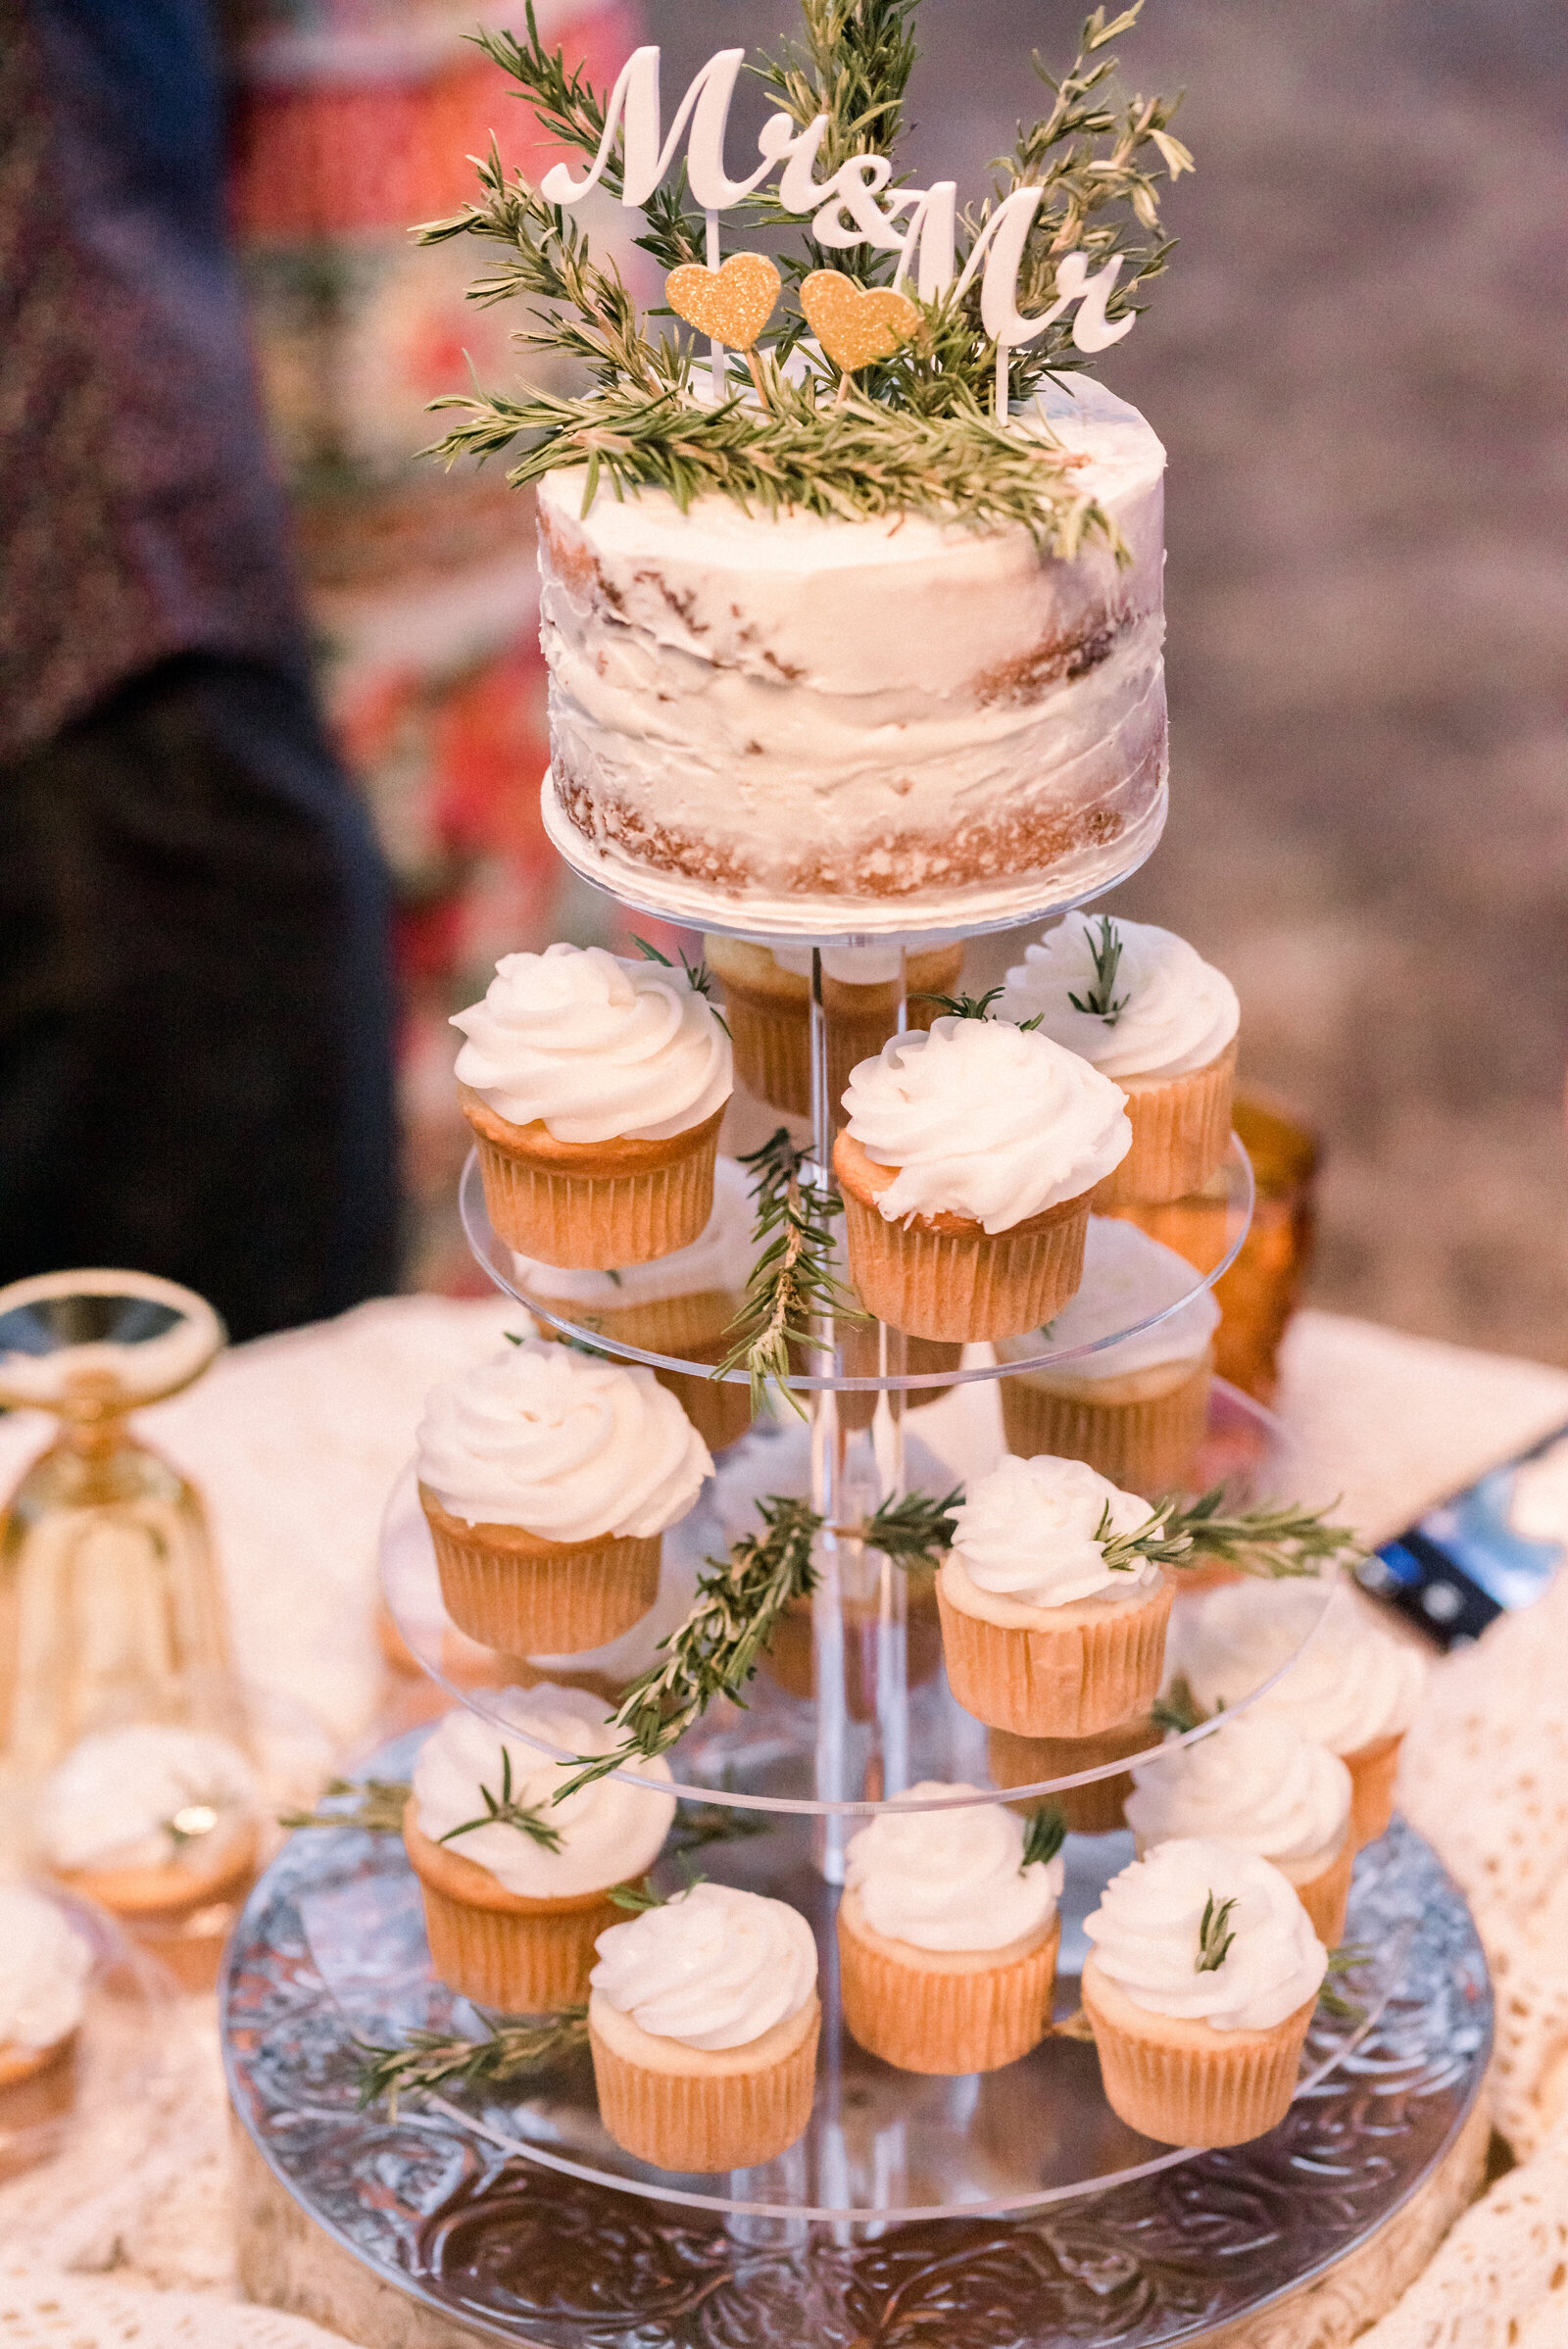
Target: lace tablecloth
297, 1440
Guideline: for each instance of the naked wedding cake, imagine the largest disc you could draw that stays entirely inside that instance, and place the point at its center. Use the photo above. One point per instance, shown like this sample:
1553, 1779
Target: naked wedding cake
857, 724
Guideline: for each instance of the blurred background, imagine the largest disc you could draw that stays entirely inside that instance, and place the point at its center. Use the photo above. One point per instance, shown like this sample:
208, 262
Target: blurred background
1356, 363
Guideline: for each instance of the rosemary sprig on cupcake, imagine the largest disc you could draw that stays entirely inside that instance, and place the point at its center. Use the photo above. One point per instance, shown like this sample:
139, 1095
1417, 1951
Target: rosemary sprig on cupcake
1043, 1837
1278, 1540
432, 2059
699, 978
503, 1810
1101, 1001
1213, 1938
792, 1280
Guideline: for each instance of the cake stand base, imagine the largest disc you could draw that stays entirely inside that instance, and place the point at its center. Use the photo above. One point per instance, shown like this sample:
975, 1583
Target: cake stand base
287, 2261
439, 2228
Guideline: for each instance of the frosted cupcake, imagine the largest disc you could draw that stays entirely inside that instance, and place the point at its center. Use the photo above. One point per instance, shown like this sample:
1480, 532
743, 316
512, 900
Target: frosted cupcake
768, 1000
1142, 1006
680, 1304
517, 1885
967, 1168
44, 1966
547, 1478
1258, 1784
1137, 1411
1199, 1990
595, 1087
1042, 1635
703, 2023
946, 1939
151, 1820
1352, 1689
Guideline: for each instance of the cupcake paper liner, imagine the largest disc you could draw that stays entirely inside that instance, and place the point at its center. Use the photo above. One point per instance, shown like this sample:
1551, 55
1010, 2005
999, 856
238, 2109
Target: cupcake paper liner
1326, 1895
37, 2089
164, 1896
1090, 1674
771, 1031
1181, 1132
1373, 1769
521, 1957
593, 1206
790, 1657
704, 2119
1092, 1810
1186, 2084
510, 1589
962, 1282
924, 2017
1143, 1447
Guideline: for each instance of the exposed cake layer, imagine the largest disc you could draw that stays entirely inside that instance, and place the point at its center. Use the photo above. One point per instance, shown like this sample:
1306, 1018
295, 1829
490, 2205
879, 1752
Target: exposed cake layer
770, 709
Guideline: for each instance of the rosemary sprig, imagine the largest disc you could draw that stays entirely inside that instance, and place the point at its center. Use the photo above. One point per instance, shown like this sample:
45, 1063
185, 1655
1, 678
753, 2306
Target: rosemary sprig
734, 1615
1043, 1837
504, 1811
699, 978
792, 1278
1101, 1001
1213, 1940
916, 1531
963, 1007
1178, 1710
635, 1899
707, 1823
376, 1808
918, 436
714, 1651
1347, 1959
1276, 1541
432, 2059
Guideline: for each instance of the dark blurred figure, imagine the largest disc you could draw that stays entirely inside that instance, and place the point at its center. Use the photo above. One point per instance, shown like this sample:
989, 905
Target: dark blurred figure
195, 1012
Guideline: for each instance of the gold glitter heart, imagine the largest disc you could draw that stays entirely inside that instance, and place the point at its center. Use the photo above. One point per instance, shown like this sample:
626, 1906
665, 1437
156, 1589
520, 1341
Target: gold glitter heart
855, 325
731, 304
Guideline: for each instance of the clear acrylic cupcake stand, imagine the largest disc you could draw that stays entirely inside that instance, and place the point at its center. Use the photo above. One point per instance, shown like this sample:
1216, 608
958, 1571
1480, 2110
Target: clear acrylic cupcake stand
513, 2211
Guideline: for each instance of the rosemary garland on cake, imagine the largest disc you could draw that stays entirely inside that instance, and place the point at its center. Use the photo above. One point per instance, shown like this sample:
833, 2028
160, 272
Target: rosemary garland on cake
914, 431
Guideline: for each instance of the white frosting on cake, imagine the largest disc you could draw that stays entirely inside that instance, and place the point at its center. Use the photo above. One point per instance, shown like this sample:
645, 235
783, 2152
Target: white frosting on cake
721, 1258
565, 1447
1350, 1685
1177, 1012
768, 709
712, 1968
1127, 1276
1147, 1929
1035, 1532
609, 1832
950, 1879
147, 1795
594, 1046
984, 1120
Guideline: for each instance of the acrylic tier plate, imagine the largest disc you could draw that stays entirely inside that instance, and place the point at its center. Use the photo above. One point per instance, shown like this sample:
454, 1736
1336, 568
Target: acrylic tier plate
1002, 2211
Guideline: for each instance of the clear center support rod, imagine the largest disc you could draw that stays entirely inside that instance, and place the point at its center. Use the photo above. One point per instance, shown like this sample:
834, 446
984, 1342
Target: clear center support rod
858, 1611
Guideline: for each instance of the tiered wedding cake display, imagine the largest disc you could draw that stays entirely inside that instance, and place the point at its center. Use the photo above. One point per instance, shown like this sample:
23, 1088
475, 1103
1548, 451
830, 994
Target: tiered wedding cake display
893, 1884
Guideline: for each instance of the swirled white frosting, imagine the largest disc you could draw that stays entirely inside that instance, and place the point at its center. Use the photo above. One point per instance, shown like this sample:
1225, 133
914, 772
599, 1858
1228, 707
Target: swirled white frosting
44, 1965
1147, 1936
1350, 1685
568, 1448
144, 1796
1179, 1013
1126, 1276
952, 1879
712, 1967
984, 1120
720, 1259
610, 1833
1035, 1532
1255, 1782
594, 1046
